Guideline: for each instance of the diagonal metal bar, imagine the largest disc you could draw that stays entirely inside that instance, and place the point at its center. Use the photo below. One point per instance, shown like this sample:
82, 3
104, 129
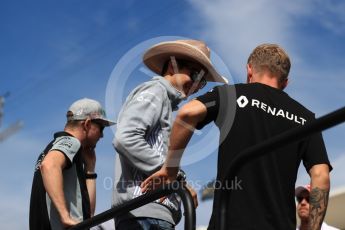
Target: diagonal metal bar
288, 137
146, 198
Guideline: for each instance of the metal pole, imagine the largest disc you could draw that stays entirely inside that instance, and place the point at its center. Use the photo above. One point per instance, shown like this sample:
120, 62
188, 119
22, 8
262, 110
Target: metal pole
142, 200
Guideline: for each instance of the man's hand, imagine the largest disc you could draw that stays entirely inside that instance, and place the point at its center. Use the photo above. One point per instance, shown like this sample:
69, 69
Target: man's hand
193, 194
68, 221
163, 176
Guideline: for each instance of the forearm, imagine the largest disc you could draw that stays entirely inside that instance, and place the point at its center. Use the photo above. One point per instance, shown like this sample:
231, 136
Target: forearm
91, 185
53, 183
90, 165
320, 186
182, 132
91, 188
183, 128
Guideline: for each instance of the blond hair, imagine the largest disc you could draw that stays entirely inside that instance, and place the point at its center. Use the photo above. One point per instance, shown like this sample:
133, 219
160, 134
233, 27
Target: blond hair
270, 57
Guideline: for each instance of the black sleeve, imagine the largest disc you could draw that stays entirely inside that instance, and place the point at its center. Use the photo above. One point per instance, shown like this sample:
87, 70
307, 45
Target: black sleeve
211, 101
315, 152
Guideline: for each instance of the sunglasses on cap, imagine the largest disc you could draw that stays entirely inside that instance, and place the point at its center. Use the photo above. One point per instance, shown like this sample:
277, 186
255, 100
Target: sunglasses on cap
300, 198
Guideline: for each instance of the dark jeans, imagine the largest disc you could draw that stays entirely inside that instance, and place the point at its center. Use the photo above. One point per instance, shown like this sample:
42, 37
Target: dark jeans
144, 223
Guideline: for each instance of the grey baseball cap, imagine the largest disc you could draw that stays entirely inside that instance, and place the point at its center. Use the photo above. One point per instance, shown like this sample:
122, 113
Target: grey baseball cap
87, 108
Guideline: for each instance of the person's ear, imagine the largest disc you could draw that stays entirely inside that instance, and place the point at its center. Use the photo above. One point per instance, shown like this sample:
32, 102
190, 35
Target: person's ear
87, 124
249, 73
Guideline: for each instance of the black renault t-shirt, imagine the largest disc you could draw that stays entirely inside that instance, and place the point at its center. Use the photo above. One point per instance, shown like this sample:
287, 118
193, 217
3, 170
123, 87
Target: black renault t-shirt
262, 193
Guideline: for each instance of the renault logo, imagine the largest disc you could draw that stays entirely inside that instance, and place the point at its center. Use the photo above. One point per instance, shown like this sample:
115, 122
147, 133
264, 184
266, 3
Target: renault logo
242, 101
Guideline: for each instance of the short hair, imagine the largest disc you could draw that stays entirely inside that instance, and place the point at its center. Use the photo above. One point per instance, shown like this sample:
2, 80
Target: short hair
73, 124
271, 57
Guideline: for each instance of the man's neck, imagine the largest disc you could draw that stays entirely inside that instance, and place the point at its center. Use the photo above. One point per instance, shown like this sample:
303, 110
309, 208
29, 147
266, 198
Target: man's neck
75, 133
266, 79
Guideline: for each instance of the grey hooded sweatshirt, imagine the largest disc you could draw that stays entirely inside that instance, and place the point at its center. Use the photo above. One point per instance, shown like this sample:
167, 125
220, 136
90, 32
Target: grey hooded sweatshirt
141, 141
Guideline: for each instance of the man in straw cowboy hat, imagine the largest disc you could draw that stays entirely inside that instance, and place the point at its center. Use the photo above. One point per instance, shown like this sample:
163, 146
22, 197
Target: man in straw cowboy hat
144, 125
248, 114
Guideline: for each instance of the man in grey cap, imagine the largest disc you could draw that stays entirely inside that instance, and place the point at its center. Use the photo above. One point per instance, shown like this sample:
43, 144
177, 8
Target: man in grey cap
144, 125
64, 188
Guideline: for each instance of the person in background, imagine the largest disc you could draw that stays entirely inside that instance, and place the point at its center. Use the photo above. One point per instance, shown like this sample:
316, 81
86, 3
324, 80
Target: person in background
302, 194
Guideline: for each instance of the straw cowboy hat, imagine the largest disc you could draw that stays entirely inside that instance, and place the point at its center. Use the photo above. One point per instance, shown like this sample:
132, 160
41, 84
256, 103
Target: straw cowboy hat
194, 50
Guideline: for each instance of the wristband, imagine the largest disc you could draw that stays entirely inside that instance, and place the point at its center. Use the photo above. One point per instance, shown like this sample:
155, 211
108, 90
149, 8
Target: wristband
90, 175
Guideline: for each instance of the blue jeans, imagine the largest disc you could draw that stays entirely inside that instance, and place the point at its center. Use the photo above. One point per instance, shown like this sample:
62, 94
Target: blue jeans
144, 223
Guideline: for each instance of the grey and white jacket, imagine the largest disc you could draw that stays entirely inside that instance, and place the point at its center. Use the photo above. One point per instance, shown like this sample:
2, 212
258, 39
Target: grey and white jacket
141, 141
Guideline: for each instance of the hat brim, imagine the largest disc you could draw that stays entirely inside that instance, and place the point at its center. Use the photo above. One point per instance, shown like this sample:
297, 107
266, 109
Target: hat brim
105, 122
155, 57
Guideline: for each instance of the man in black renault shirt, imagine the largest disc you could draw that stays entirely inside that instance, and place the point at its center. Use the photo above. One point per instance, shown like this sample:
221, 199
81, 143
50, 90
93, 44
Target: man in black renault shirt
246, 115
